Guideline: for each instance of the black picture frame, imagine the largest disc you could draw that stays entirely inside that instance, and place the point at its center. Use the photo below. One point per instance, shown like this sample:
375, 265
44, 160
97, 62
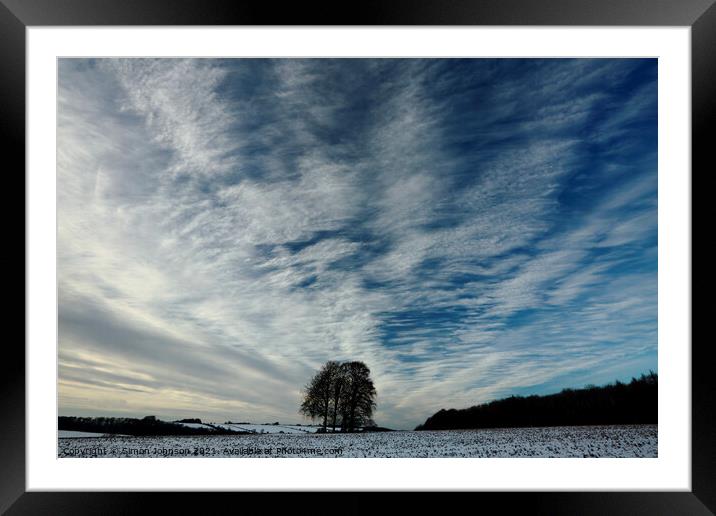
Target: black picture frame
700, 15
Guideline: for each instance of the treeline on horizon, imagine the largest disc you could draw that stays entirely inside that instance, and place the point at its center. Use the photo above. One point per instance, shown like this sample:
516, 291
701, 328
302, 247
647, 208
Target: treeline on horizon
617, 403
137, 427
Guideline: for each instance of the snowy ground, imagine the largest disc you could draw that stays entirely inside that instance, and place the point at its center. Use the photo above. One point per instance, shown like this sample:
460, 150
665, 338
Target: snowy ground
575, 441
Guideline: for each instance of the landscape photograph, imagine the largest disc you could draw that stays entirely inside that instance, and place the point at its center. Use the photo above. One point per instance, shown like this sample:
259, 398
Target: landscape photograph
357, 257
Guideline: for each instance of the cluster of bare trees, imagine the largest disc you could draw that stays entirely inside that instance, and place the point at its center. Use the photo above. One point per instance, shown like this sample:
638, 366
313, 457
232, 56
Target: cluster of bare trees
341, 395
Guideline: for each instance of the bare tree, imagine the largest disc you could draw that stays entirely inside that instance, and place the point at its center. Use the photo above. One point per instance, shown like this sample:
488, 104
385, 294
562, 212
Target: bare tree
340, 390
317, 395
359, 396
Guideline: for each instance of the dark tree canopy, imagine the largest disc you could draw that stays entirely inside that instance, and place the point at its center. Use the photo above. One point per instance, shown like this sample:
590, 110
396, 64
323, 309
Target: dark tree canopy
318, 394
618, 403
341, 393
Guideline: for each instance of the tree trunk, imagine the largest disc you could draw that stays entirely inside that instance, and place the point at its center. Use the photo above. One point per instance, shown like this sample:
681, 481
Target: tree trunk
336, 401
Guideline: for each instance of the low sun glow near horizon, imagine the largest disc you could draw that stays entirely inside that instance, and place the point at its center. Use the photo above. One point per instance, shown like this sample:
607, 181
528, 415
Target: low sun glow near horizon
469, 229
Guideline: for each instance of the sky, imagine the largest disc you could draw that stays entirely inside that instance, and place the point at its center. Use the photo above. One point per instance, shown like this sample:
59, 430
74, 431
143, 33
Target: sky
469, 228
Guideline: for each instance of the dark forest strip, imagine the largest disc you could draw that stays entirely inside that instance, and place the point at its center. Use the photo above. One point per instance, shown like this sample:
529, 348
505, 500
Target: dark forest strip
614, 404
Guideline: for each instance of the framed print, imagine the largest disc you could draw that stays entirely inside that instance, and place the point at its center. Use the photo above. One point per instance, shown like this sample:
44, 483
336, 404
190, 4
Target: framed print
423, 248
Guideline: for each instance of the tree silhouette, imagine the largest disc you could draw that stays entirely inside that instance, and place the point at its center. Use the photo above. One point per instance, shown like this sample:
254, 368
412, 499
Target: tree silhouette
359, 396
617, 403
317, 394
343, 392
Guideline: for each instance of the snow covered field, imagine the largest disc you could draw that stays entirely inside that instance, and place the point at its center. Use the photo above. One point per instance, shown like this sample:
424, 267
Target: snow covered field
574, 441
